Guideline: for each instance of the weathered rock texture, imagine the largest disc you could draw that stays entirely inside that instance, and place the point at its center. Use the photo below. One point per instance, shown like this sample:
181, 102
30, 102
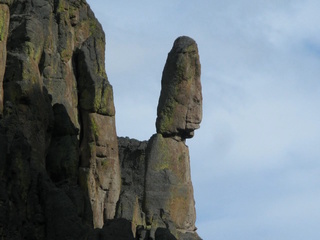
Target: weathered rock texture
4, 27
168, 190
180, 103
133, 166
60, 173
63, 174
169, 201
157, 193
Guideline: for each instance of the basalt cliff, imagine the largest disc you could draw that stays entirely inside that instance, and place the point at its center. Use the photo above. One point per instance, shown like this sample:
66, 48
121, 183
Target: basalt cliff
64, 173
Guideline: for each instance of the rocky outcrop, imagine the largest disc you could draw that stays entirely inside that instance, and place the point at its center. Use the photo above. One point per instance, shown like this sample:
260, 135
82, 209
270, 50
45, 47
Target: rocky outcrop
169, 201
132, 155
168, 192
60, 173
157, 193
64, 173
180, 103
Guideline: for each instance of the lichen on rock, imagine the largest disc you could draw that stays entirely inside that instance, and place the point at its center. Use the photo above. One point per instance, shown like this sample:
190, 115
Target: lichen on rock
180, 103
4, 28
167, 204
168, 182
56, 108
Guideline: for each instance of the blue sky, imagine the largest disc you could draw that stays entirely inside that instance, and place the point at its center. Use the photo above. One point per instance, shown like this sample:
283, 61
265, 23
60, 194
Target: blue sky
256, 158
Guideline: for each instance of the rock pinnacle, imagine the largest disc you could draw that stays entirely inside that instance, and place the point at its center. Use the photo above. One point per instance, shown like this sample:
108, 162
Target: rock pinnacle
180, 103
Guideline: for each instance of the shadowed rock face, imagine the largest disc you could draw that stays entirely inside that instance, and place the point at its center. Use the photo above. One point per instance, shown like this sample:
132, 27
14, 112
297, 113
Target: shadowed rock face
59, 164
180, 102
64, 174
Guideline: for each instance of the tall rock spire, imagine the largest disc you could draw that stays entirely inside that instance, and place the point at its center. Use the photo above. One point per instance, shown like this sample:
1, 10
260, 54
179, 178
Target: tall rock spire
169, 201
157, 192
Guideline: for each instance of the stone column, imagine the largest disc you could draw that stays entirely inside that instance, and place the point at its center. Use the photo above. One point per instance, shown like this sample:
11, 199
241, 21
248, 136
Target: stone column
169, 202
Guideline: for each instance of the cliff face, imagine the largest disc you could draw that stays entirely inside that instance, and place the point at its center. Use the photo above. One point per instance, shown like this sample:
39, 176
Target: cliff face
63, 174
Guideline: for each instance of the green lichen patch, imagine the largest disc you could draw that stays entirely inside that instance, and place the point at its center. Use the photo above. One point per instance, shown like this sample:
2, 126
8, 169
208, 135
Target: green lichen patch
4, 21
105, 163
62, 6
89, 28
94, 128
103, 103
165, 122
33, 51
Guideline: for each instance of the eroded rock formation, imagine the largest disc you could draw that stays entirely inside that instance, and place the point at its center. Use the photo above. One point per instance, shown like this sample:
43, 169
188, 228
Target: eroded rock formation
169, 201
59, 151
180, 103
64, 174
157, 193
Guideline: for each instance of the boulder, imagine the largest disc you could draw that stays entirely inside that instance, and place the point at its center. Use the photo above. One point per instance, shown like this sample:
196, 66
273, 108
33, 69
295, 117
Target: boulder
179, 110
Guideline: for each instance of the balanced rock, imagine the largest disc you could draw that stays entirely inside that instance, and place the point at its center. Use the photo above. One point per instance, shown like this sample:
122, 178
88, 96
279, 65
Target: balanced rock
156, 192
169, 203
180, 103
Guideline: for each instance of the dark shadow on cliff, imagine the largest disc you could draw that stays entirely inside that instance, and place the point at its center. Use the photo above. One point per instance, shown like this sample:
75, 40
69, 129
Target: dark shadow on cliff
63, 155
39, 194
115, 229
164, 234
68, 208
